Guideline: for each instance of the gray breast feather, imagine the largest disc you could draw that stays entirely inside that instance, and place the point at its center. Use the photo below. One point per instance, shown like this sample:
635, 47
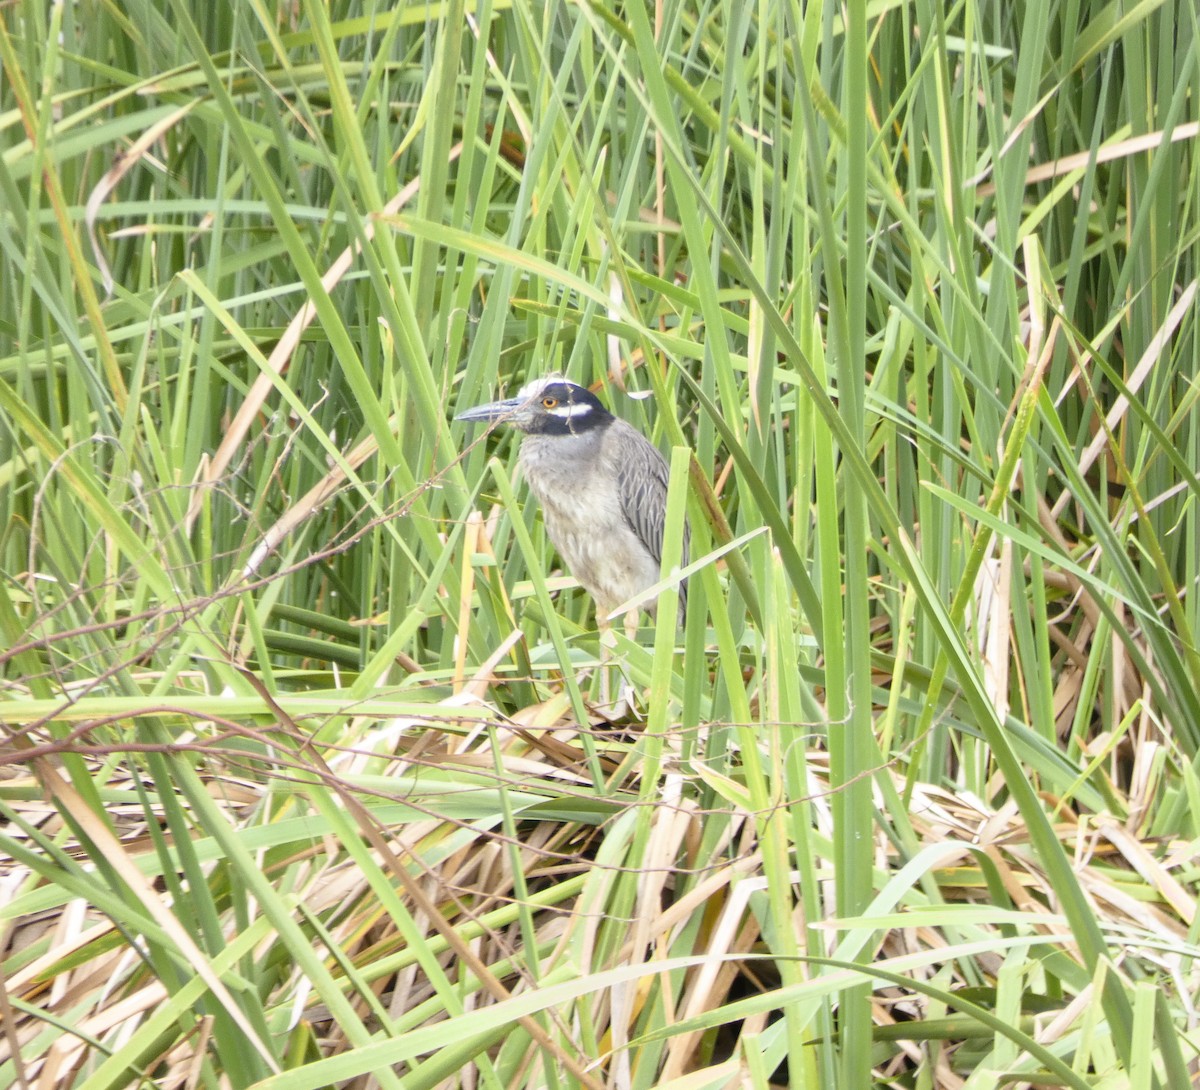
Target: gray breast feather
603, 494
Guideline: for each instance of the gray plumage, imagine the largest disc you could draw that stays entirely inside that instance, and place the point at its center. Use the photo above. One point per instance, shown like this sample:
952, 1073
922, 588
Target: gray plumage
602, 486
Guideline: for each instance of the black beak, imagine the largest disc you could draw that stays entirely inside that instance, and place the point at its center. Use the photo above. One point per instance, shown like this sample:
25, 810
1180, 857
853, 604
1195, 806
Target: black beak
495, 410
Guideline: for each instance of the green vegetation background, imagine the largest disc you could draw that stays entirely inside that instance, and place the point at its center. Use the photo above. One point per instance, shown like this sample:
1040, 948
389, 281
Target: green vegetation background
301, 786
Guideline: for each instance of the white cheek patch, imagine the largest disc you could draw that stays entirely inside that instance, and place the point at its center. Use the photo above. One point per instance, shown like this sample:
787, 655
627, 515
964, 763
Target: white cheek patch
570, 412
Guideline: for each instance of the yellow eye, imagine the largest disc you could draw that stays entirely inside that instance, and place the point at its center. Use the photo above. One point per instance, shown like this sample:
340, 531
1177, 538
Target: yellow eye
549, 403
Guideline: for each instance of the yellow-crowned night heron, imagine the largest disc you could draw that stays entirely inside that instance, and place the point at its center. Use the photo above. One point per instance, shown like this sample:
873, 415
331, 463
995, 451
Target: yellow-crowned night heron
601, 483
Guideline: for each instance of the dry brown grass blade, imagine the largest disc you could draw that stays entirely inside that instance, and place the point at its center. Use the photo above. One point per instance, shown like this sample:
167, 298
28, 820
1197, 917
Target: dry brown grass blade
1118, 149
114, 851
8, 1021
1144, 366
307, 505
479, 876
430, 910
1156, 875
125, 162
282, 353
728, 936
